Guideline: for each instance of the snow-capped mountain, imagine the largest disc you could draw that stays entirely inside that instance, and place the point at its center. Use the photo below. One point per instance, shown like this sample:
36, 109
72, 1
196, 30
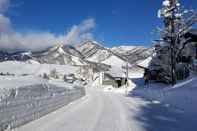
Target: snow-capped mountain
89, 48
82, 54
95, 52
116, 56
59, 55
72, 51
54, 55
133, 53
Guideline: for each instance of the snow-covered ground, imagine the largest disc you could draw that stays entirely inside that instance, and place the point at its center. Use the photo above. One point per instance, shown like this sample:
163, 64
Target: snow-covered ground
25, 96
22, 68
108, 111
182, 95
19, 74
155, 107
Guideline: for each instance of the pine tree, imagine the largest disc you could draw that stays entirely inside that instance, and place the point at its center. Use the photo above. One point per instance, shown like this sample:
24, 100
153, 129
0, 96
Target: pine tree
177, 21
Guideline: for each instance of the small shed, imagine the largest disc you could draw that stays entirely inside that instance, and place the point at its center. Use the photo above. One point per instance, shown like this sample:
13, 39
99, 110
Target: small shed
115, 76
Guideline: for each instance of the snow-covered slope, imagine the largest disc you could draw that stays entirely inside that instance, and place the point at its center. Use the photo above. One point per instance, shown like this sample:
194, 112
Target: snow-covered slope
133, 53
58, 55
95, 52
91, 51
22, 68
72, 51
88, 48
182, 95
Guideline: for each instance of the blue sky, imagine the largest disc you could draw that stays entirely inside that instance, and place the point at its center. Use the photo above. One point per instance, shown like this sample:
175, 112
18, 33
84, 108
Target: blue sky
116, 21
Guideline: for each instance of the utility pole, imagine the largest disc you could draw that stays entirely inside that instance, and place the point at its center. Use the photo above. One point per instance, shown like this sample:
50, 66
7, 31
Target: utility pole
126, 76
101, 74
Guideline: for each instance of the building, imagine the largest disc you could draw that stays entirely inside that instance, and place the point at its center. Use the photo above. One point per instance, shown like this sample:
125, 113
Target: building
192, 36
115, 77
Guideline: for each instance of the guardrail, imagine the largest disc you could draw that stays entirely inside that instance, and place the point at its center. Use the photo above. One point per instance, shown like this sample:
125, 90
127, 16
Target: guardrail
19, 110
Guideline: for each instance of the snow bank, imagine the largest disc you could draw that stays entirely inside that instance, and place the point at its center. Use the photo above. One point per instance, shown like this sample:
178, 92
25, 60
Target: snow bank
26, 99
182, 96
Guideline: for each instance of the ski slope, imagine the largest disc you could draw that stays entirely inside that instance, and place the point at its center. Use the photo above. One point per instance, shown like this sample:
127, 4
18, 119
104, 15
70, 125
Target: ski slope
107, 111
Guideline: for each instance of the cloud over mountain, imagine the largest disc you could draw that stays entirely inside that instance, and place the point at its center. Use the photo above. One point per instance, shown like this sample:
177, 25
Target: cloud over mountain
80, 32
11, 39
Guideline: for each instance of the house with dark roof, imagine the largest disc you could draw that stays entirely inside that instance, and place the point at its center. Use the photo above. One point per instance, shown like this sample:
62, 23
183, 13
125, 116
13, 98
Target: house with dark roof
192, 36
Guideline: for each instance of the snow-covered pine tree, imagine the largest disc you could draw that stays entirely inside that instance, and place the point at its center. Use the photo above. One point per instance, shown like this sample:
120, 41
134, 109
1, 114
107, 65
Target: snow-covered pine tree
167, 60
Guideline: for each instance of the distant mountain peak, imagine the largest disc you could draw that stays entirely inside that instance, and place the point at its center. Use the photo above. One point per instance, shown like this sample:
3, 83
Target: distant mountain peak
57, 48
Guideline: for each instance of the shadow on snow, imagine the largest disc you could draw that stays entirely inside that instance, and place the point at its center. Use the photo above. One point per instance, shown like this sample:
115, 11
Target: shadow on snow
155, 116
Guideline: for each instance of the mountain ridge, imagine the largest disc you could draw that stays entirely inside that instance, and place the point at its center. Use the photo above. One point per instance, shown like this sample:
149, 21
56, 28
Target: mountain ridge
80, 54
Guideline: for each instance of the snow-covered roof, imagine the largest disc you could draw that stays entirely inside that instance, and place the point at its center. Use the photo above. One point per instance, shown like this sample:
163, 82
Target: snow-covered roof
145, 63
114, 61
116, 72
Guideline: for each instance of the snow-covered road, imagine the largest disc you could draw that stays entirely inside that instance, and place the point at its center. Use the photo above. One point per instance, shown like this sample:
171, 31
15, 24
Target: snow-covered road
107, 111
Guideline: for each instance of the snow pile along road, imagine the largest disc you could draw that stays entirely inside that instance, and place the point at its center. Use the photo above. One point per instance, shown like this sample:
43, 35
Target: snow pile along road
108, 111
182, 95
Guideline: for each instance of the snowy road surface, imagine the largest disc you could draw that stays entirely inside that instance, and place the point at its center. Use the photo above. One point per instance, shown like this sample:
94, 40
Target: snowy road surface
105, 111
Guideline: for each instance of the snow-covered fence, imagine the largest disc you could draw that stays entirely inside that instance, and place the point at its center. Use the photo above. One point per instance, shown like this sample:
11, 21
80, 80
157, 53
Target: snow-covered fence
29, 103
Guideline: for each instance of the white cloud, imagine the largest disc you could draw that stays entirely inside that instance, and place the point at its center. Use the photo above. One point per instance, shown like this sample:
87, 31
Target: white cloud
80, 32
13, 40
41, 40
5, 24
28, 41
